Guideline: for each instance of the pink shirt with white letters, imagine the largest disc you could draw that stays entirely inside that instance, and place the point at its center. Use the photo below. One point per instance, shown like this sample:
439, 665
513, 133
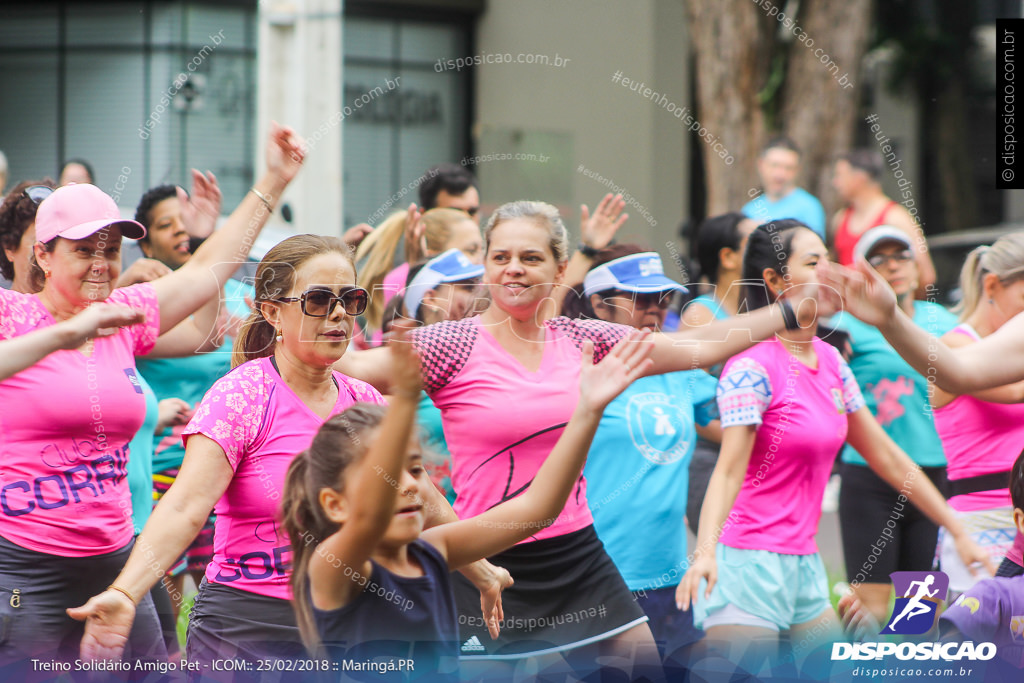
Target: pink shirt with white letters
262, 425
500, 420
65, 424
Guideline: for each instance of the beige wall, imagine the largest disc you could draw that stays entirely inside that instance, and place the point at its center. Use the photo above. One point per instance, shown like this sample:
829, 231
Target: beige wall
577, 116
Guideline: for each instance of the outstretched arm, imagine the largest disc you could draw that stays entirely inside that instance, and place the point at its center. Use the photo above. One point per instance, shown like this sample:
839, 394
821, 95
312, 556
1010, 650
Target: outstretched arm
209, 268
538, 507
995, 360
98, 320
176, 520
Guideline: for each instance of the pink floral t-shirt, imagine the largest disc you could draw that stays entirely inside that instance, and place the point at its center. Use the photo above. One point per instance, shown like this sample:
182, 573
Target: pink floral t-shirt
261, 425
500, 420
65, 424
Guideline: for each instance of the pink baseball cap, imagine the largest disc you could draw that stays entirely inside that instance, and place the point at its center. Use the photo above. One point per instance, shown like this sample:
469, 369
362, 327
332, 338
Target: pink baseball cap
78, 210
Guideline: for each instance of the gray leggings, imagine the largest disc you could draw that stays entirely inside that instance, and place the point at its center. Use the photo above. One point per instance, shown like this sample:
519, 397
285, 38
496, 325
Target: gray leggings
33, 623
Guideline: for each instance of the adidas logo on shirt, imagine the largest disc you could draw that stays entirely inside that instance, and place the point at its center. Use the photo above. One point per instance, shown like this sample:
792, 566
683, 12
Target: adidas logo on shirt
472, 645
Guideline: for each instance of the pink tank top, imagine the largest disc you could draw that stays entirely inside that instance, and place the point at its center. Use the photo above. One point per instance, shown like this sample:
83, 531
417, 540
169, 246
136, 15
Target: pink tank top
979, 438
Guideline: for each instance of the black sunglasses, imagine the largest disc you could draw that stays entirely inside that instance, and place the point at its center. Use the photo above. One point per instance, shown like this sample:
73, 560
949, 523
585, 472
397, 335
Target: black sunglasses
37, 193
319, 303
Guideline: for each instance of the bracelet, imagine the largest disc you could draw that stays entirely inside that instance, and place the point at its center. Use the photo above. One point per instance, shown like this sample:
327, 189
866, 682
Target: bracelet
587, 250
789, 315
265, 198
128, 595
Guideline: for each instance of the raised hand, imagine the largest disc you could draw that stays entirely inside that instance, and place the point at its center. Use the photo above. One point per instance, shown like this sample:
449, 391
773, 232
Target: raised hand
355, 235
405, 363
597, 231
108, 621
415, 235
600, 383
200, 212
285, 152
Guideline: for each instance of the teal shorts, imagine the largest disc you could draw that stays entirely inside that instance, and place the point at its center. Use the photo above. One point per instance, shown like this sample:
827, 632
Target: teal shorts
784, 590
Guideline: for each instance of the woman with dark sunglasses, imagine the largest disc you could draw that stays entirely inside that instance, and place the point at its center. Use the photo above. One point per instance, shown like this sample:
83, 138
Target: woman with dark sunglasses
18, 230
238, 447
65, 509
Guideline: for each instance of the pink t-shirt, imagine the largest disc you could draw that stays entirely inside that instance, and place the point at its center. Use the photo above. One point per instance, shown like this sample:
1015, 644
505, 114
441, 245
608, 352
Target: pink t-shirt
979, 438
802, 421
65, 424
500, 420
261, 425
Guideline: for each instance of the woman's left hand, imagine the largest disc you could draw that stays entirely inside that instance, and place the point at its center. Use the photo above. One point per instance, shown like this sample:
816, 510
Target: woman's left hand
285, 152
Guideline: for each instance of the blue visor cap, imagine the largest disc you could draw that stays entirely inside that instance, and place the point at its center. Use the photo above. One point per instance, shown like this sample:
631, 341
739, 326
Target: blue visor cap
451, 266
642, 273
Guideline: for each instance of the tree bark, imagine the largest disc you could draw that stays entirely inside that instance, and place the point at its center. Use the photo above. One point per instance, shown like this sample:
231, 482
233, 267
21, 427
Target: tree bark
818, 112
733, 44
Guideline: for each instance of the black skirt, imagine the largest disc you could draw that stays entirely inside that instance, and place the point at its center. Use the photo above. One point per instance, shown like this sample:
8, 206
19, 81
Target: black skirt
567, 593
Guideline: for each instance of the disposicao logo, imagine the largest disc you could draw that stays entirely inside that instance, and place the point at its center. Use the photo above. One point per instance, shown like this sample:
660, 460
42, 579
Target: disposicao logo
918, 596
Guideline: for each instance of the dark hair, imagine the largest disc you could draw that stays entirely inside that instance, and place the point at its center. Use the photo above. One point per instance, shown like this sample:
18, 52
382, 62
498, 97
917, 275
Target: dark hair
769, 246
451, 178
338, 443
867, 160
713, 235
1017, 482
151, 198
275, 276
84, 164
781, 142
17, 212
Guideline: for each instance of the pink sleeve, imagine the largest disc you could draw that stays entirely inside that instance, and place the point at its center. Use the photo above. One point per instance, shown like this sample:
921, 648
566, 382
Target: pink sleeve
6, 317
443, 349
143, 297
232, 412
605, 335
362, 392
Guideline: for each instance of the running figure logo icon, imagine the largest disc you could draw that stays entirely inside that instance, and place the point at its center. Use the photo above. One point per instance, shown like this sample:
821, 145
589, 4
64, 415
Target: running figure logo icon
918, 595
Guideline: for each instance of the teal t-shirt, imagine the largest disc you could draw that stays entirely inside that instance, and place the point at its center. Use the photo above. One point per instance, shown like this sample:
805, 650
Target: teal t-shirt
437, 459
189, 378
140, 460
896, 394
799, 204
637, 473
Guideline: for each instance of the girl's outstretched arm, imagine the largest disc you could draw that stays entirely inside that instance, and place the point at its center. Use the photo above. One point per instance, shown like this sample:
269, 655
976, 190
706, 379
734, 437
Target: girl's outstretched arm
538, 507
371, 485
996, 360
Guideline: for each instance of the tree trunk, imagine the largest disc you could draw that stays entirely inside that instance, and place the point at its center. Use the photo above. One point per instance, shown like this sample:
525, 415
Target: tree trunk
733, 42
819, 108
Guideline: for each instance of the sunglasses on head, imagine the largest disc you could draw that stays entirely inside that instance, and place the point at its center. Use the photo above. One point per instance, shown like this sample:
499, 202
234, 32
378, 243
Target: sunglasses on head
37, 193
319, 303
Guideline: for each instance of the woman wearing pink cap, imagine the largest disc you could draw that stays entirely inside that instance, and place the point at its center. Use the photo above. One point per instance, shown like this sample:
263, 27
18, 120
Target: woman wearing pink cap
65, 511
